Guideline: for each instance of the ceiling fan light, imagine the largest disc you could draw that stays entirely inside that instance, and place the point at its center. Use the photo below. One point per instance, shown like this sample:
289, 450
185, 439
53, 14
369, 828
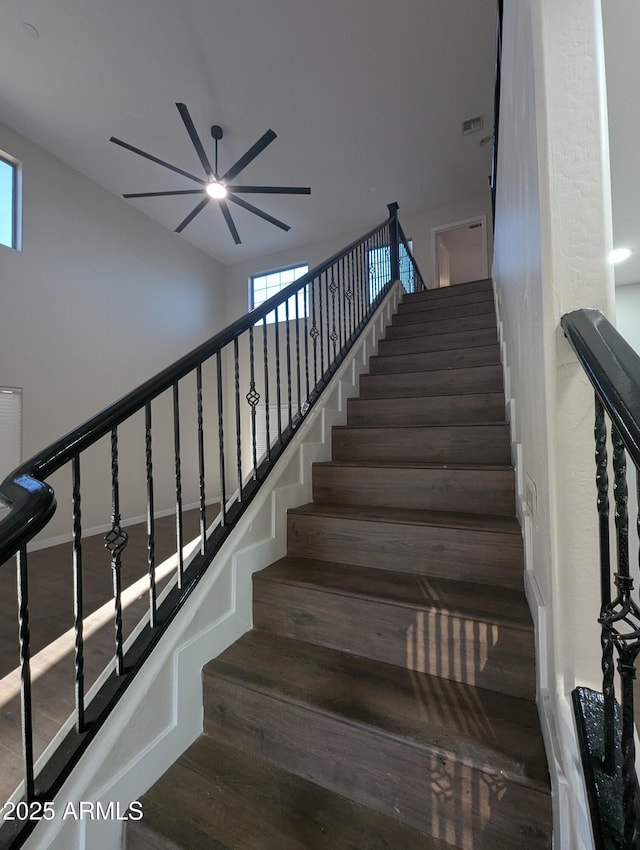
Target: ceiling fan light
216, 190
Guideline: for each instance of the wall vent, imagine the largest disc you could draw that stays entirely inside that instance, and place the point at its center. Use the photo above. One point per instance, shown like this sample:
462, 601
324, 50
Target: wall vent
472, 125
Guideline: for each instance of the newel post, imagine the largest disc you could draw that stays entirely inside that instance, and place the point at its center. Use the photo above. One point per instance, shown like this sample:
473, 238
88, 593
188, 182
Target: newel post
394, 250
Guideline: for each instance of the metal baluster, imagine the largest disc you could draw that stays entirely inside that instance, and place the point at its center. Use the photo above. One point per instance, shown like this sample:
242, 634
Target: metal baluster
178, 468
361, 288
276, 331
151, 534
288, 350
298, 377
236, 360
266, 385
78, 605
201, 483
115, 541
223, 487
253, 397
602, 484
25, 671
321, 323
349, 297
340, 273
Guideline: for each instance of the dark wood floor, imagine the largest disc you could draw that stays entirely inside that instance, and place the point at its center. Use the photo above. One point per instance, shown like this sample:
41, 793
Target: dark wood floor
51, 629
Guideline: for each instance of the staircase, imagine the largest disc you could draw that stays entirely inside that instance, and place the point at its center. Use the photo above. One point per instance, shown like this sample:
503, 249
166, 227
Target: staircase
385, 698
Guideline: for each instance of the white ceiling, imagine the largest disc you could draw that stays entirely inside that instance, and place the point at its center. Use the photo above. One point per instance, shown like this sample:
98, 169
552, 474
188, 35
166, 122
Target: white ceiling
362, 93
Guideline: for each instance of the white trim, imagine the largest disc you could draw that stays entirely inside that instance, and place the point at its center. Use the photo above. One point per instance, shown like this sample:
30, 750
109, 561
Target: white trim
454, 225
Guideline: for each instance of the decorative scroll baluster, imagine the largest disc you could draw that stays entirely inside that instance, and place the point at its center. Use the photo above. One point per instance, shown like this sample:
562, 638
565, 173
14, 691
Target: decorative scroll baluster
266, 386
340, 274
334, 333
314, 333
253, 397
151, 533
201, 481
236, 364
178, 469
349, 297
306, 341
321, 321
115, 541
288, 351
25, 671
223, 486
77, 594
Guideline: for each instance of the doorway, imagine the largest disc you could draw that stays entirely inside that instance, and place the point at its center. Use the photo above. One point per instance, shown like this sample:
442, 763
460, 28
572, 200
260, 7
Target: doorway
460, 252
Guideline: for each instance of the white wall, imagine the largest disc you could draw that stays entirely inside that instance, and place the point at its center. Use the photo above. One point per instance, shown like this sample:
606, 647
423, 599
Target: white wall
552, 237
99, 299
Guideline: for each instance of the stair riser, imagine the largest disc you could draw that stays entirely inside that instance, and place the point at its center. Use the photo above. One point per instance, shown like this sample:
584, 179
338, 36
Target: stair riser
484, 654
444, 798
432, 360
460, 290
486, 491
408, 304
438, 342
473, 379
470, 444
460, 311
452, 553
431, 410
420, 327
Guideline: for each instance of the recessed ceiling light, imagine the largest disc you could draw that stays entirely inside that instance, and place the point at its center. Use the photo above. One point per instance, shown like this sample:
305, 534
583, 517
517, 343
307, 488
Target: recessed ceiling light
619, 255
373, 188
485, 141
30, 30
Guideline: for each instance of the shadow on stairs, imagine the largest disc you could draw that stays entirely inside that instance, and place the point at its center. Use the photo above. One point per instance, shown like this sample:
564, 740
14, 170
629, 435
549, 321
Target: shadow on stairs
385, 698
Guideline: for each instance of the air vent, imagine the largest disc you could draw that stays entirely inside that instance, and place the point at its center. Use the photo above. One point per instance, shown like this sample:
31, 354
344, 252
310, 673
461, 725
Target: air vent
472, 125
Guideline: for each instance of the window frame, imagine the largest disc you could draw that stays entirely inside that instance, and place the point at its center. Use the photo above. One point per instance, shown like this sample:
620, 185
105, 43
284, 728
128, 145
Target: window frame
273, 316
16, 201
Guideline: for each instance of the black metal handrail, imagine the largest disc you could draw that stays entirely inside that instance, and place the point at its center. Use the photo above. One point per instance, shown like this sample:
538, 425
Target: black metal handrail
283, 363
606, 730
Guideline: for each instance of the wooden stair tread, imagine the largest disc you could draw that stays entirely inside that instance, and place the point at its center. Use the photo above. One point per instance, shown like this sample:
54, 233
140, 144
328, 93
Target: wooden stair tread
379, 464
215, 797
492, 732
499, 606
407, 516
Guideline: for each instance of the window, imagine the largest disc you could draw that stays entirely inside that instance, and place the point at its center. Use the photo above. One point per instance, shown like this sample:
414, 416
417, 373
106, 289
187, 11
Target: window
10, 429
10, 173
265, 286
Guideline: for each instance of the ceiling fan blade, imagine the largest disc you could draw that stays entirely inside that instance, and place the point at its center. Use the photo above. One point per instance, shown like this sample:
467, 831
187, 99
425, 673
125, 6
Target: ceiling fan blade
256, 211
155, 159
230, 222
270, 190
250, 155
194, 212
163, 194
195, 138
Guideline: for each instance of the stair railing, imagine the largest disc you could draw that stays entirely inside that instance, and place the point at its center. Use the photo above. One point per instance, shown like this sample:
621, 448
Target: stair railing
606, 729
284, 354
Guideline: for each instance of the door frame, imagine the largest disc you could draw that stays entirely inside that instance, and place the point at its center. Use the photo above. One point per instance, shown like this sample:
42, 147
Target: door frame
454, 225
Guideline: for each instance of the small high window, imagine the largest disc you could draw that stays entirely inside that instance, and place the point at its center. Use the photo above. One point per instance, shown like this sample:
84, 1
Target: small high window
265, 286
10, 174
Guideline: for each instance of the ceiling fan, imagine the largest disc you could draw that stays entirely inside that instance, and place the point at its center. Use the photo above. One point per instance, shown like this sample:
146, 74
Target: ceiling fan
215, 187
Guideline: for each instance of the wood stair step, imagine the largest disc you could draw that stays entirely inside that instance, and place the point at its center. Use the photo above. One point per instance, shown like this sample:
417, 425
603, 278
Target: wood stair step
432, 360
419, 325
402, 619
456, 311
217, 797
360, 728
427, 410
472, 488
438, 342
461, 547
473, 298
461, 289
434, 444
466, 379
